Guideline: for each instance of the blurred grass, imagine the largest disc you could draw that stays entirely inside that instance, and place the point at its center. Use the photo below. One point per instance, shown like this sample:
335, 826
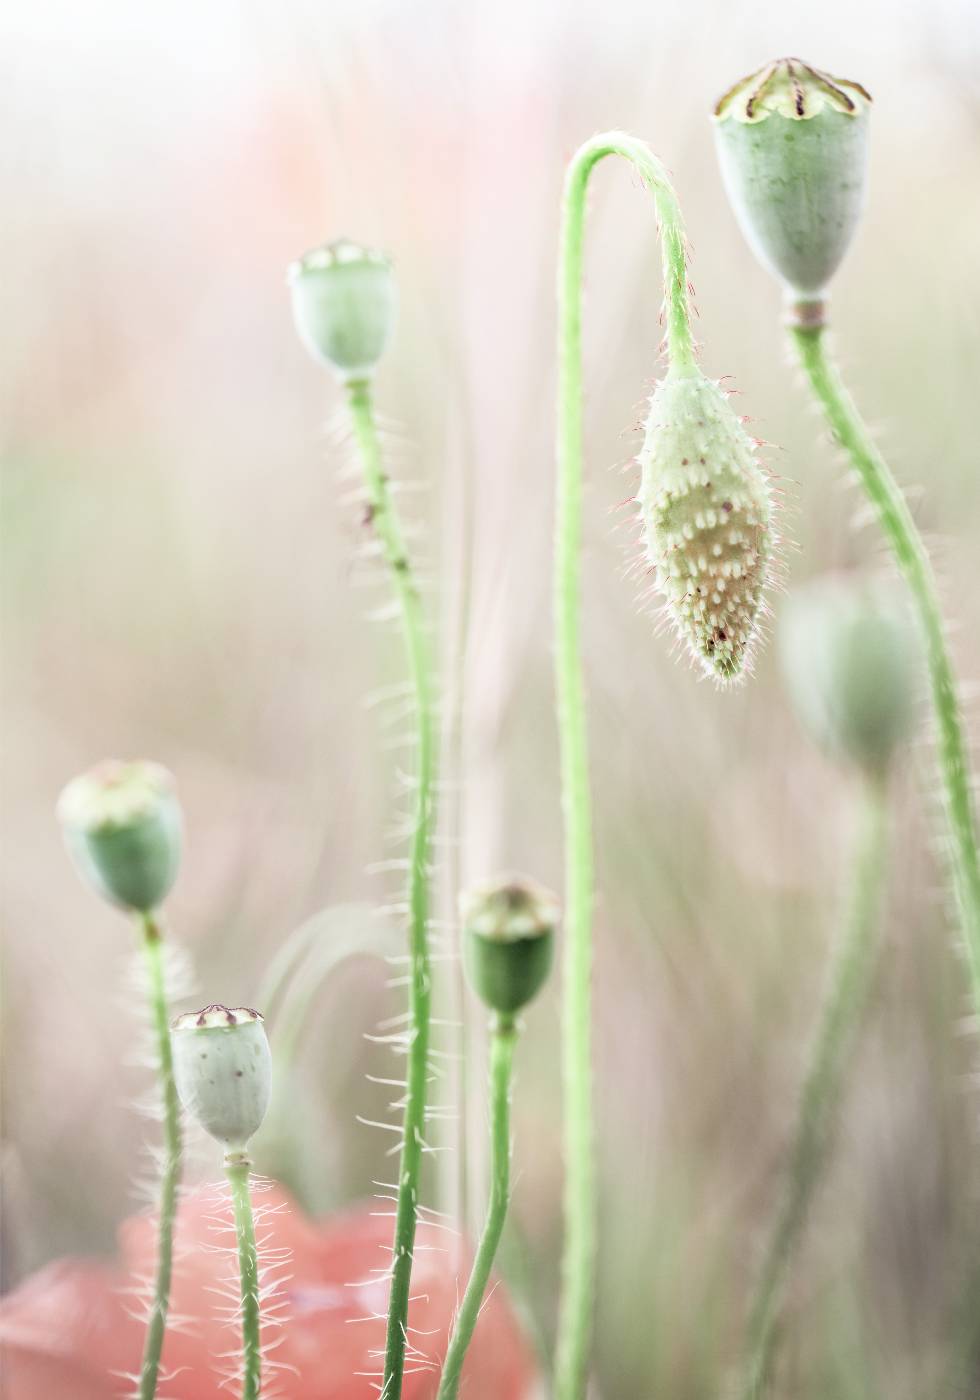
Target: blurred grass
180, 580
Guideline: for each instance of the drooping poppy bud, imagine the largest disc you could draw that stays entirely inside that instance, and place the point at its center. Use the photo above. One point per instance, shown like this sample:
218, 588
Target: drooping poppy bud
707, 517
793, 146
123, 828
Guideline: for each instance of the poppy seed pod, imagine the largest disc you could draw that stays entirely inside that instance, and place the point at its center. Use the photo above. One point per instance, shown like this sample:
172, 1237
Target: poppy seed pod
707, 518
123, 828
508, 941
223, 1069
793, 146
344, 306
851, 660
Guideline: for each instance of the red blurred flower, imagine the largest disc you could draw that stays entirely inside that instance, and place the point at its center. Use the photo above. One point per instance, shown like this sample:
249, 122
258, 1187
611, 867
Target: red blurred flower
70, 1330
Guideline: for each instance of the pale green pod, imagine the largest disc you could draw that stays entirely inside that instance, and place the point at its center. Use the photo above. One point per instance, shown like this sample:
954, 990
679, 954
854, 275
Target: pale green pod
508, 941
223, 1069
123, 829
793, 148
707, 518
344, 306
853, 667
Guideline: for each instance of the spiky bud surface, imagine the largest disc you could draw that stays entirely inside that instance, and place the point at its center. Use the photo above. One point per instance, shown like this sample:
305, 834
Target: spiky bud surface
707, 517
852, 663
344, 306
123, 829
793, 146
223, 1069
508, 941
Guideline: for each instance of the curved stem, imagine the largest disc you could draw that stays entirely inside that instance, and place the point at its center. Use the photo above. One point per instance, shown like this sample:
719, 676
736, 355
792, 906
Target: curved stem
381, 515
912, 558
237, 1172
578, 1265
154, 955
502, 1041
846, 994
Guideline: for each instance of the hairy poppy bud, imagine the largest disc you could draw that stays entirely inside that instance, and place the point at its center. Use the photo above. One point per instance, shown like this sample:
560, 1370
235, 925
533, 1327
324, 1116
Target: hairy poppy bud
793, 147
508, 941
344, 306
223, 1069
851, 660
707, 518
122, 826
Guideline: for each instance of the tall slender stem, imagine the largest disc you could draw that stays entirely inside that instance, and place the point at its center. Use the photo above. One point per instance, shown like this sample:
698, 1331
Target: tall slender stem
237, 1171
503, 1038
578, 1265
388, 530
154, 955
846, 994
912, 558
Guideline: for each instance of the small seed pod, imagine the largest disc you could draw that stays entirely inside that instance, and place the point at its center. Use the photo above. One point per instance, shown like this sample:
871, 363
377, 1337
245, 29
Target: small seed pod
707, 519
123, 828
223, 1068
344, 306
793, 147
852, 663
508, 941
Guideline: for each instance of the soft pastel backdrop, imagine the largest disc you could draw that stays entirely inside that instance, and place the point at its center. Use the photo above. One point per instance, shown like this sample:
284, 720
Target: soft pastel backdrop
181, 580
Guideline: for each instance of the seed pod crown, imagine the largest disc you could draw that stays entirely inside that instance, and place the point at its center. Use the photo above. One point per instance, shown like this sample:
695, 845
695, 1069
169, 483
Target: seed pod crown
707, 519
223, 1069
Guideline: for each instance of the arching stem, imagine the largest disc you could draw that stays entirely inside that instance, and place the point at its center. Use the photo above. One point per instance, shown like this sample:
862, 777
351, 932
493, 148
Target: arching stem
386, 526
578, 1266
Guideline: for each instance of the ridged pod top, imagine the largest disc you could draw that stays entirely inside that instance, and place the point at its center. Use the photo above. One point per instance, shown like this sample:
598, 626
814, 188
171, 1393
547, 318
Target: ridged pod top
707, 519
788, 87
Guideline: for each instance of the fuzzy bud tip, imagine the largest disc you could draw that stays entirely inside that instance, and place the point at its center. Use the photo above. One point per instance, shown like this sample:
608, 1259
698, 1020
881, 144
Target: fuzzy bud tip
343, 299
508, 941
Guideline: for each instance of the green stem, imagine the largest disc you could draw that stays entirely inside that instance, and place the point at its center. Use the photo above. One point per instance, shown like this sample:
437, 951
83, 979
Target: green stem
846, 994
578, 1265
388, 530
237, 1172
503, 1038
154, 954
912, 558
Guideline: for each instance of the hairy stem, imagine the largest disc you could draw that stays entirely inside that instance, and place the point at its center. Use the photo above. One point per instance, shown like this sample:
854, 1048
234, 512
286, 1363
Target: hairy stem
237, 1172
578, 1265
385, 523
912, 558
154, 954
846, 994
502, 1041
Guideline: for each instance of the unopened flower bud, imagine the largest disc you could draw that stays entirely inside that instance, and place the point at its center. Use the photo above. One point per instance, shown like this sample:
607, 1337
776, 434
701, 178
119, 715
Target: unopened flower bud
123, 828
223, 1069
508, 941
707, 519
852, 662
344, 306
793, 147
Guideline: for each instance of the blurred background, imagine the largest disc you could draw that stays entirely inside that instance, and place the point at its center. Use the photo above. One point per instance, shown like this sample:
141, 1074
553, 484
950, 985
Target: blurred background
182, 579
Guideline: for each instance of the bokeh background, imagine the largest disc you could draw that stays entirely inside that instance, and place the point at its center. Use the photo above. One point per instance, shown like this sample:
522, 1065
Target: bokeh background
183, 578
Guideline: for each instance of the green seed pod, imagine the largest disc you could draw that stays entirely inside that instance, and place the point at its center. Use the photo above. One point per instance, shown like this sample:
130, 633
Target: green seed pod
852, 662
793, 147
508, 941
707, 518
344, 306
123, 828
223, 1069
